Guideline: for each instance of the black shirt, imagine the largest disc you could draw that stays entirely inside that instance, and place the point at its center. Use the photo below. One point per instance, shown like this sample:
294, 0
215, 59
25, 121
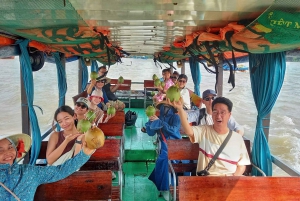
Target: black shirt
110, 95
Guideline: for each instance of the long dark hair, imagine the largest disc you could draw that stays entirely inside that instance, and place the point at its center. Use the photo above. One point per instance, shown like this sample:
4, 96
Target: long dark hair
64, 108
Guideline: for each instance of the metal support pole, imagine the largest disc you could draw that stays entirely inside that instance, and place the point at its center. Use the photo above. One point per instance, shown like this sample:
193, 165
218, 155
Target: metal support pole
266, 125
79, 75
63, 62
220, 76
24, 113
183, 66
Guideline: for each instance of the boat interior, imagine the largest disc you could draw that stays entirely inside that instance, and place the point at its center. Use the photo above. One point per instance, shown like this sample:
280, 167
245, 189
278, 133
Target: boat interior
170, 32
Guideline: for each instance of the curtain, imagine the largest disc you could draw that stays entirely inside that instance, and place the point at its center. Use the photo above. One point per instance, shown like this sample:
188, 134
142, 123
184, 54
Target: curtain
267, 75
196, 74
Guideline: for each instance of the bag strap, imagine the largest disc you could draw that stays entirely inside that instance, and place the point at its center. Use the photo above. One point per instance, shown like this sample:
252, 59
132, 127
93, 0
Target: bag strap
202, 113
163, 136
212, 161
16, 197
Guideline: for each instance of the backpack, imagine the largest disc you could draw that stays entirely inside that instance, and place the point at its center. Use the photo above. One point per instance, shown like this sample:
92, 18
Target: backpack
202, 113
130, 118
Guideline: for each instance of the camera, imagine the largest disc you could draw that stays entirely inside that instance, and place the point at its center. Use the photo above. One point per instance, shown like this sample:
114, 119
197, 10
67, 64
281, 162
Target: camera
203, 173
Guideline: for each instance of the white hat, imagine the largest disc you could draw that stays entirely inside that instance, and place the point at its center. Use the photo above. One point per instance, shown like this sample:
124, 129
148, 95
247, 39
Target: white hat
21, 141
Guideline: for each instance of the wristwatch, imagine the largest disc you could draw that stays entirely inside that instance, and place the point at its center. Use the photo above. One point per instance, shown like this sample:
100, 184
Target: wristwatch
78, 142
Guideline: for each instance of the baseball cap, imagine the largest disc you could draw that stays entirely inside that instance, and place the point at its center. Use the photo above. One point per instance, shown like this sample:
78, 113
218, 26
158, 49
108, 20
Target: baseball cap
208, 92
84, 101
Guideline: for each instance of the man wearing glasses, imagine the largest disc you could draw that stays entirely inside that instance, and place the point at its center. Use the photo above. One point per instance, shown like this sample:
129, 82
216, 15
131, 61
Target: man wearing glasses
203, 116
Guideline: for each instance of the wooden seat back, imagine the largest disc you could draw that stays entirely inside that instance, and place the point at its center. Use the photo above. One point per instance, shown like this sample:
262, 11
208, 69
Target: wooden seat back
239, 188
112, 129
82, 94
148, 83
126, 85
82, 185
118, 118
183, 150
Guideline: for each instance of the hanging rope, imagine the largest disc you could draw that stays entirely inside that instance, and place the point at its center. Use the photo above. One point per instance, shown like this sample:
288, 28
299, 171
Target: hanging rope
62, 79
84, 75
29, 89
94, 66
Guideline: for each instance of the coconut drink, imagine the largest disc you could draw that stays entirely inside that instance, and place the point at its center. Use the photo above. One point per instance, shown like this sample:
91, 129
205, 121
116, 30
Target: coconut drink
173, 93
111, 110
150, 111
83, 125
154, 77
157, 82
121, 80
90, 116
93, 75
94, 138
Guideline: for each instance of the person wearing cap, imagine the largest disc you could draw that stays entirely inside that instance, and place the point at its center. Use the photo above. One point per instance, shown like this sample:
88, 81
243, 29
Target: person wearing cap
184, 92
81, 108
64, 144
20, 181
234, 157
166, 126
204, 115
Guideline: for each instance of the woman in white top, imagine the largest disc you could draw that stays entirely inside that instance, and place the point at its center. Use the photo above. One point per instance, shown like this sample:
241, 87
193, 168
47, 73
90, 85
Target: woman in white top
184, 92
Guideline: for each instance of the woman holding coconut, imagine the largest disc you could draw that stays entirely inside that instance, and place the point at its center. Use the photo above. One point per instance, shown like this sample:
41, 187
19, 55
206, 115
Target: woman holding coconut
19, 182
66, 143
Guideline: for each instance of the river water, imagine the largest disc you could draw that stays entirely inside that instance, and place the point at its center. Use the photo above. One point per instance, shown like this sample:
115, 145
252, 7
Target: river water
284, 136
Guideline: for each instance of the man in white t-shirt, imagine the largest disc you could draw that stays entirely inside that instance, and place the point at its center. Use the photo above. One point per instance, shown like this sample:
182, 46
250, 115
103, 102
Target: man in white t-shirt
203, 116
233, 159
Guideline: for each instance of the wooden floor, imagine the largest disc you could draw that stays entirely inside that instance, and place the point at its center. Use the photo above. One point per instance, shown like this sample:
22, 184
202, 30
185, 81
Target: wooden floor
140, 157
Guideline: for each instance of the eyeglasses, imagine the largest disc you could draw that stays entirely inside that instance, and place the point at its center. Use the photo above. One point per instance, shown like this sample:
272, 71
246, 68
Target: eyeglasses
222, 113
173, 77
183, 81
80, 105
102, 81
209, 98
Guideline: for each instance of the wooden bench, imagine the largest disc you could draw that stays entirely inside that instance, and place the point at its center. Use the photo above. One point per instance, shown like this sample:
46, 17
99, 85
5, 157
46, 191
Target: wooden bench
112, 129
239, 188
185, 150
107, 157
125, 86
83, 94
82, 185
148, 86
118, 118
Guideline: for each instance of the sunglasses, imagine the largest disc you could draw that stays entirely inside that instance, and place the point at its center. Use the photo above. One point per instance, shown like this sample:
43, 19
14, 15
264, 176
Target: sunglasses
102, 81
208, 98
183, 81
173, 77
80, 105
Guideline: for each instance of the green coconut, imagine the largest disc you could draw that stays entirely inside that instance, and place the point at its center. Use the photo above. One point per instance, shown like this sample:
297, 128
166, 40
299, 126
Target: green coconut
150, 111
83, 125
173, 93
154, 77
121, 80
93, 75
94, 138
90, 115
157, 82
162, 84
152, 93
111, 110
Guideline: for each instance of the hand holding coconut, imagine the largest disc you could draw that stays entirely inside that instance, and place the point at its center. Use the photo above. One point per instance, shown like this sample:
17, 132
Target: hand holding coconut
94, 139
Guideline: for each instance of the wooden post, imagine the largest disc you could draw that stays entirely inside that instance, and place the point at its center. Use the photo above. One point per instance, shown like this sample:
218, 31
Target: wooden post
220, 76
79, 75
24, 113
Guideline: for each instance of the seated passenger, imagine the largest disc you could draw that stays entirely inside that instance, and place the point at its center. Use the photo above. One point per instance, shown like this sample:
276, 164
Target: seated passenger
174, 77
23, 180
97, 85
110, 90
184, 92
166, 126
204, 115
233, 159
162, 90
81, 108
66, 143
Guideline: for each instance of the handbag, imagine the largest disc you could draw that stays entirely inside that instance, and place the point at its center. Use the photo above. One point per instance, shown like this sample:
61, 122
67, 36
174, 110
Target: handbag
212, 161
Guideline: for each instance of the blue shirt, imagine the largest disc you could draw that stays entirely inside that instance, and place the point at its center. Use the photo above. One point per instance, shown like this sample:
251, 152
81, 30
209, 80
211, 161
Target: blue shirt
23, 180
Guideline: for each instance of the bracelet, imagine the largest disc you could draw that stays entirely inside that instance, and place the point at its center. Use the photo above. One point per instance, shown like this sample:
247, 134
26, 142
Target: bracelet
78, 142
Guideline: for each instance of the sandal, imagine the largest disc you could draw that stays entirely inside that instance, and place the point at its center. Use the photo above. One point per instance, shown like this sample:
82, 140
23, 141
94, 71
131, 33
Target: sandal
143, 130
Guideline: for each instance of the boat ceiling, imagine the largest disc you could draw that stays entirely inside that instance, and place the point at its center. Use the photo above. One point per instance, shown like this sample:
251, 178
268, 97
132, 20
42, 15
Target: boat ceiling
142, 27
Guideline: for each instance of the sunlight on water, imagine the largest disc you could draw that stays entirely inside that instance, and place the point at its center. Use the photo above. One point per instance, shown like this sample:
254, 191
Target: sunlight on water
284, 130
